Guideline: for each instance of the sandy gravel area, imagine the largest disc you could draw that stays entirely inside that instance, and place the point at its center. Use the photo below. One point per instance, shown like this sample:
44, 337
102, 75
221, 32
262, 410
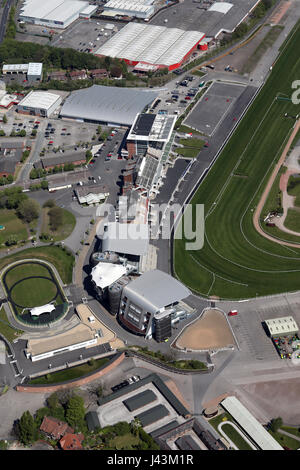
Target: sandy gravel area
211, 331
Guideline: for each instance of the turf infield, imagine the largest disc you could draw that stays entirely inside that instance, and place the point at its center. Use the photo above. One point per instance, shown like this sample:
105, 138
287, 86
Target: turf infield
236, 262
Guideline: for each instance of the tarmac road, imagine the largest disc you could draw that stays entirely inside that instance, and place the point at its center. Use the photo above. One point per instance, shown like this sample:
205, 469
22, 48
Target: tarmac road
4, 19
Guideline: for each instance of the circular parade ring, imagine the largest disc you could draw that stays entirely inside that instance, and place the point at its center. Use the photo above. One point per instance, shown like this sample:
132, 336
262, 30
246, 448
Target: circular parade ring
52, 293
10, 296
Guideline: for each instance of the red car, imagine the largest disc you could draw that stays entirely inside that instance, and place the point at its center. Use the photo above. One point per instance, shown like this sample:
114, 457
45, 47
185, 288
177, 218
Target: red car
232, 313
206, 144
109, 154
51, 142
37, 122
24, 80
187, 98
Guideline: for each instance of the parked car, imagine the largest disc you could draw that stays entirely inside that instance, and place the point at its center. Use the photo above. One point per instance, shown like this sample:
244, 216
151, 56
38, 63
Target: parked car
232, 313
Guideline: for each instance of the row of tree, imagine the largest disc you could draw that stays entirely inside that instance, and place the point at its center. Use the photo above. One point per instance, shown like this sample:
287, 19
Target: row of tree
12, 51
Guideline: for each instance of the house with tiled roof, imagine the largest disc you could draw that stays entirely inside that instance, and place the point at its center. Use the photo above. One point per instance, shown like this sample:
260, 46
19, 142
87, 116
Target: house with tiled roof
71, 441
54, 428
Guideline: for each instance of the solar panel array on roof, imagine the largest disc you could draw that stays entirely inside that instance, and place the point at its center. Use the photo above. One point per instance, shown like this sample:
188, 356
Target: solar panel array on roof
147, 172
143, 124
152, 415
139, 400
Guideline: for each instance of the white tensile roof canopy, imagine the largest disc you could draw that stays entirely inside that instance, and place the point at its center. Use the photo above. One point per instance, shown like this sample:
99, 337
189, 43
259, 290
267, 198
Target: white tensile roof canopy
36, 311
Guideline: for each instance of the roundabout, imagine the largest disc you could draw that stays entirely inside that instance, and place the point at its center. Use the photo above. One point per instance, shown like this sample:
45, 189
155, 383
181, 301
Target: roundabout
32, 284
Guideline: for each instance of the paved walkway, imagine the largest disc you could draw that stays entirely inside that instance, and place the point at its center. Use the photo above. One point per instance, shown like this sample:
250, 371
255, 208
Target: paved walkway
80, 262
268, 188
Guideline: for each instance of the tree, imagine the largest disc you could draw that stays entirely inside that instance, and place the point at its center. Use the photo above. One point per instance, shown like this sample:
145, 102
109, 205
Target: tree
27, 431
29, 210
116, 71
52, 400
4, 119
75, 412
55, 217
12, 240
49, 203
275, 424
88, 155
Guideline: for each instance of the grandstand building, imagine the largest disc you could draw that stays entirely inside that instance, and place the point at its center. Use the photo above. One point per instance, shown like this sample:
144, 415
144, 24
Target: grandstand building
148, 302
151, 45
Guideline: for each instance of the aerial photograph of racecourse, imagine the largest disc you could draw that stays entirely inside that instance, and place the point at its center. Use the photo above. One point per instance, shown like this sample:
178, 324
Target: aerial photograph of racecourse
149, 227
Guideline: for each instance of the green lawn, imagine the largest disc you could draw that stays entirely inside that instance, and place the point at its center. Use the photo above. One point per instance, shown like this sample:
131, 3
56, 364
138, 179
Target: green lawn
293, 188
285, 441
65, 230
70, 374
265, 44
192, 142
124, 442
235, 437
24, 270
187, 152
6, 330
186, 130
237, 262
292, 220
294, 431
53, 254
34, 292
13, 226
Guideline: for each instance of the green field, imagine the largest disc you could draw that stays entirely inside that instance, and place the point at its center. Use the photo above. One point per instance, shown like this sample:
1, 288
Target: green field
236, 262
6, 330
63, 261
65, 230
70, 374
292, 220
13, 226
28, 292
293, 189
192, 147
235, 437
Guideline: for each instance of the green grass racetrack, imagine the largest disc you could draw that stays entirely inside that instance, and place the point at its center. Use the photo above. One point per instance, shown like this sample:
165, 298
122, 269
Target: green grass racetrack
236, 262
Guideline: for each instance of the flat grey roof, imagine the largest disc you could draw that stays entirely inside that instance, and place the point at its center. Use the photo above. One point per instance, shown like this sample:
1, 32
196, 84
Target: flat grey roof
92, 420
187, 443
155, 290
107, 104
160, 385
139, 400
153, 414
124, 238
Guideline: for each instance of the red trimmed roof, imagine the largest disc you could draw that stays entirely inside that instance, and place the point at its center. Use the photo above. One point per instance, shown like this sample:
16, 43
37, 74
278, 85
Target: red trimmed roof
54, 427
71, 442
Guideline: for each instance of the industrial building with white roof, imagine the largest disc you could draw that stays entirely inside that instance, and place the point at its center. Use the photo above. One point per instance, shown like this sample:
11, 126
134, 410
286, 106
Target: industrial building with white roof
54, 13
133, 8
39, 103
154, 45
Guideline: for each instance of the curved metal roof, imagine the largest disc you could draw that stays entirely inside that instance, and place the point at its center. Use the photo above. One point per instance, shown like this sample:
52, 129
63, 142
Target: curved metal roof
107, 104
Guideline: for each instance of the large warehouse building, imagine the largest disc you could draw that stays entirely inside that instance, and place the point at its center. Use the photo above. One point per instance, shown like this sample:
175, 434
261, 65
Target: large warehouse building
132, 8
153, 45
54, 13
39, 103
108, 105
